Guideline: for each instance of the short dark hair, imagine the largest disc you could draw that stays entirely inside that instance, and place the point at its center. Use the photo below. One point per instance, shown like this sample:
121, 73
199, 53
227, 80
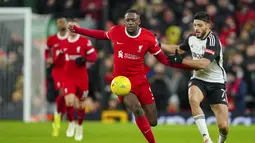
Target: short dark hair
74, 20
202, 16
132, 11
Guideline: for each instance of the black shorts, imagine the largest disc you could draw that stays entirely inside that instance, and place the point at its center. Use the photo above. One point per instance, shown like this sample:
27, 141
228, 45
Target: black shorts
214, 92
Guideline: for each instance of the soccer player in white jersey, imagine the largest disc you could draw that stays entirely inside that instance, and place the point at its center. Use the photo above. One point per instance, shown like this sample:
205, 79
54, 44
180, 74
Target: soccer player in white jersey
209, 77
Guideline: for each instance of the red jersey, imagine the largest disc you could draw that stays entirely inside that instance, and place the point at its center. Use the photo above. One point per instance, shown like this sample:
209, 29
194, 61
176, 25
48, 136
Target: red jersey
129, 51
53, 46
80, 46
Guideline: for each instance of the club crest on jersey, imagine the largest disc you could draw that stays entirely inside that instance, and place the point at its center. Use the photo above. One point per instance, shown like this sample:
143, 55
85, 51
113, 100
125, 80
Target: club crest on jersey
78, 49
140, 48
209, 51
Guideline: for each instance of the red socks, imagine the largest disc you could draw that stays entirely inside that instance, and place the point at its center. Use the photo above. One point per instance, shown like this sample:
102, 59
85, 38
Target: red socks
60, 102
70, 113
145, 128
80, 116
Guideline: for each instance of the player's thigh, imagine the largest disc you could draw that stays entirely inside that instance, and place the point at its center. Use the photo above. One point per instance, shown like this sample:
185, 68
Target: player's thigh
132, 103
221, 113
69, 93
82, 90
218, 101
58, 77
217, 94
196, 92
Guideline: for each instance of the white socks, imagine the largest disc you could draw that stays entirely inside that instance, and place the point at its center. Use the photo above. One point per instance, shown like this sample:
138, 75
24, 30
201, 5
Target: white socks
201, 124
222, 138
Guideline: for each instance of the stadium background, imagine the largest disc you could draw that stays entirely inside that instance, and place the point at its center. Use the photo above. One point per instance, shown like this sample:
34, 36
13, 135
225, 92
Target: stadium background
233, 21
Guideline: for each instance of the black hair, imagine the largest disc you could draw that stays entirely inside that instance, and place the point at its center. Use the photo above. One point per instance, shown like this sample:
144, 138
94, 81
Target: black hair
74, 20
132, 11
202, 16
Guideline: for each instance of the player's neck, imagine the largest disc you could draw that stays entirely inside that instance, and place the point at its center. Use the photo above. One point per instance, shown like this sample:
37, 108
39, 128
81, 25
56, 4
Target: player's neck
73, 37
133, 33
62, 33
206, 34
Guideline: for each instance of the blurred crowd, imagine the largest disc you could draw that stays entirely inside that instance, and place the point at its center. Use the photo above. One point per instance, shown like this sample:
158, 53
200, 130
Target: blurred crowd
11, 63
171, 20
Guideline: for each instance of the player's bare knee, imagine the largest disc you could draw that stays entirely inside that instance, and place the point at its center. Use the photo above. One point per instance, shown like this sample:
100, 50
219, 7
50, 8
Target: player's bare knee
80, 106
223, 127
138, 112
136, 109
77, 106
69, 101
153, 123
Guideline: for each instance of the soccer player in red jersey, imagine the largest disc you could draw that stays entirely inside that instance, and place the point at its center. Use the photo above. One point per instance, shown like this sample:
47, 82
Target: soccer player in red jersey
131, 43
78, 51
53, 51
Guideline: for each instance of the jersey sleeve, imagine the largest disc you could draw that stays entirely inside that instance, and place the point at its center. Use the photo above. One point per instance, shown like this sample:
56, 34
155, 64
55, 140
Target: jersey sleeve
110, 33
212, 49
90, 49
47, 52
185, 45
154, 48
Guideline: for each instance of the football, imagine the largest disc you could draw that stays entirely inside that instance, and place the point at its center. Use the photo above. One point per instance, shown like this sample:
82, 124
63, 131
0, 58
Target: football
120, 86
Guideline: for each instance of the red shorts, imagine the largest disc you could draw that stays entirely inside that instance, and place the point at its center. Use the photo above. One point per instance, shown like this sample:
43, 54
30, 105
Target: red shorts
79, 88
140, 86
58, 76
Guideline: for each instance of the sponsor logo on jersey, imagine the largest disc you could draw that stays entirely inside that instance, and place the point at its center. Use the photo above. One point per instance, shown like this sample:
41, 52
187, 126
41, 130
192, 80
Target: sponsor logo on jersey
122, 55
209, 51
196, 55
71, 57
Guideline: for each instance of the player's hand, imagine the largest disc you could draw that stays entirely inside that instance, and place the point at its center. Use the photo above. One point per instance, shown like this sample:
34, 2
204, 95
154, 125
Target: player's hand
81, 61
175, 59
71, 27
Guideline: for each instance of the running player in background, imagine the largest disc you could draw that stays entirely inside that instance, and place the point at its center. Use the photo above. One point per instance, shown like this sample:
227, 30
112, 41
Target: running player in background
78, 51
209, 79
131, 43
53, 51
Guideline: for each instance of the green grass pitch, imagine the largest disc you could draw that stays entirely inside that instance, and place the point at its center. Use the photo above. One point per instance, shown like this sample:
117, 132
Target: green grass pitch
96, 132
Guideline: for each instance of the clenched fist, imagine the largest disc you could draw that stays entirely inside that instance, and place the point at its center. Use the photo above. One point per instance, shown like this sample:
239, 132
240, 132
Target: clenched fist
70, 27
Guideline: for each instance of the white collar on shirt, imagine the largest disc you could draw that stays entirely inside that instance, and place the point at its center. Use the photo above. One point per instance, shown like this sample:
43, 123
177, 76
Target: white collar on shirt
62, 37
139, 32
76, 38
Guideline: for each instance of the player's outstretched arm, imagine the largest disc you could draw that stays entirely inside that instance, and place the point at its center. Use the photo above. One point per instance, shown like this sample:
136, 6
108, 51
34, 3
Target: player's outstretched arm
162, 58
197, 64
171, 48
194, 64
97, 34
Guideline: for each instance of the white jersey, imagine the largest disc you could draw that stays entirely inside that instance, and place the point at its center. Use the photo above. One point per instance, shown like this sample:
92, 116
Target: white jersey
209, 48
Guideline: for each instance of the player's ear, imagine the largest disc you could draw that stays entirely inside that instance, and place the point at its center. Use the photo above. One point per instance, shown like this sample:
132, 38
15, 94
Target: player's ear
208, 25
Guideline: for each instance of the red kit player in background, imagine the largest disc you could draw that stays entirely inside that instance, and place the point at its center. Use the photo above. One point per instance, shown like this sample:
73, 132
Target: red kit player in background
53, 51
131, 43
78, 51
